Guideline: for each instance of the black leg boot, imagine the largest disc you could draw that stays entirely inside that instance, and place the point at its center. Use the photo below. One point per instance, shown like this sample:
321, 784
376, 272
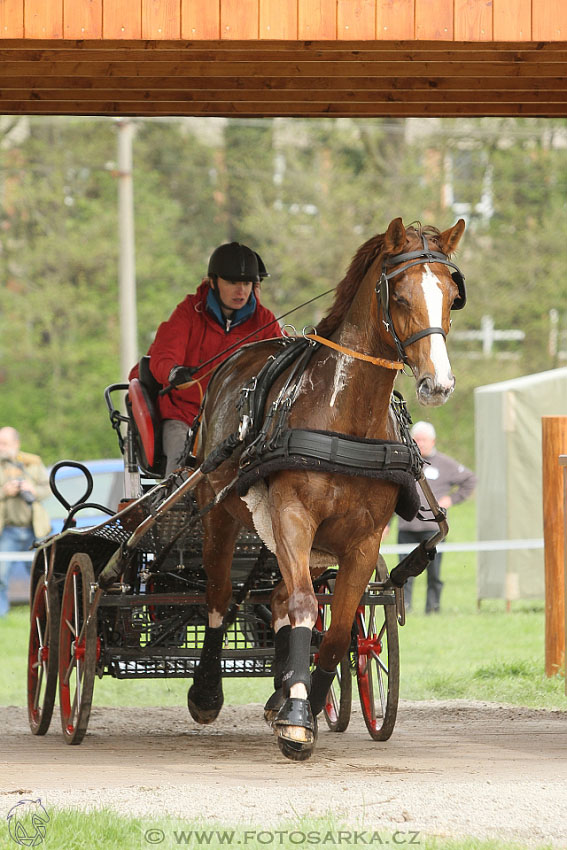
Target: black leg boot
205, 697
281, 652
321, 681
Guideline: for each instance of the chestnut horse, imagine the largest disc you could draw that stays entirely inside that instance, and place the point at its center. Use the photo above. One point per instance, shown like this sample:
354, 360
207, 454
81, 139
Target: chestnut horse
394, 305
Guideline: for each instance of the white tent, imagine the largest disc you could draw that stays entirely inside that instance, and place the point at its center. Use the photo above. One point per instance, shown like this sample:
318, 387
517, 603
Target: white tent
509, 467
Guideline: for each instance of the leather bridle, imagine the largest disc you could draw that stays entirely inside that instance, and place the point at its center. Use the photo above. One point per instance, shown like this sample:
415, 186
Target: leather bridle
414, 258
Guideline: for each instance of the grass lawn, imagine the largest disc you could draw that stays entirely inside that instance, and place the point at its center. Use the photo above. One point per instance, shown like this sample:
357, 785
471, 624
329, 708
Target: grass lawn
486, 654
68, 830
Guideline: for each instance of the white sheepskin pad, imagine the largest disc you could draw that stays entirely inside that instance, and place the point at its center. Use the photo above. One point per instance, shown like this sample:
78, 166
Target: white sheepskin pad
256, 501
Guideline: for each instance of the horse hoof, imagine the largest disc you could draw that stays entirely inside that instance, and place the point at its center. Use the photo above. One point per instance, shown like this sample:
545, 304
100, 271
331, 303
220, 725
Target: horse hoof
295, 750
273, 705
296, 729
204, 707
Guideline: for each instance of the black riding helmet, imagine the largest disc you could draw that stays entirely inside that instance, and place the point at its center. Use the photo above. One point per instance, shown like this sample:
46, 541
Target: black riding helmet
234, 261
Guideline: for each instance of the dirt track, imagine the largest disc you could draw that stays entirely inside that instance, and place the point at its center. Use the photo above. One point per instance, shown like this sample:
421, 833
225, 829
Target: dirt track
450, 768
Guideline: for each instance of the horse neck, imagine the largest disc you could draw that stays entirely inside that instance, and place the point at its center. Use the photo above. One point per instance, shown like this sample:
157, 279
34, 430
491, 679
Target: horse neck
360, 389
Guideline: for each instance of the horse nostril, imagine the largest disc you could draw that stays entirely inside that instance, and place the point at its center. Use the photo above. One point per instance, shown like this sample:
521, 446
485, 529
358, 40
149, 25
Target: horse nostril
425, 386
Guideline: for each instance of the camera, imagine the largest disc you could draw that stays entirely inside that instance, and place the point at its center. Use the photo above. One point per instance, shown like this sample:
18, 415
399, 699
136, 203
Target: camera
28, 497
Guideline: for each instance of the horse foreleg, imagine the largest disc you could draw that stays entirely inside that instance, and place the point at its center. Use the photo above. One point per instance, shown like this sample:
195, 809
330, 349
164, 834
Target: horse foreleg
205, 697
294, 724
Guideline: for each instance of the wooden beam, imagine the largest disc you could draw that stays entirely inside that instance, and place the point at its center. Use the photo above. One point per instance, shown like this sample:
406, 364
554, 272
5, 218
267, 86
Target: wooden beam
171, 94
267, 47
417, 87
554, 444
227, 52
268, 109
219, 68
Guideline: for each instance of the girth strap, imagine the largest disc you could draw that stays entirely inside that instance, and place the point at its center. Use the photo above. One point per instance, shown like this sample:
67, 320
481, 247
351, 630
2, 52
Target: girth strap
344, 451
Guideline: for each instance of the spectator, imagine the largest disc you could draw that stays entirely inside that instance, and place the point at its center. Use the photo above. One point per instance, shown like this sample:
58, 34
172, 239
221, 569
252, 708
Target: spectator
23, 519
451, 483
224, 310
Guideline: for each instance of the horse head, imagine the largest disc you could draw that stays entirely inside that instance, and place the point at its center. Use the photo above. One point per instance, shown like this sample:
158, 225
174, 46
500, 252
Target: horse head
418, 287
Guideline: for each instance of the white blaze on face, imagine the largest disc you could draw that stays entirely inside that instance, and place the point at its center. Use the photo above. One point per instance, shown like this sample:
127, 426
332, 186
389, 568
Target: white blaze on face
433, 294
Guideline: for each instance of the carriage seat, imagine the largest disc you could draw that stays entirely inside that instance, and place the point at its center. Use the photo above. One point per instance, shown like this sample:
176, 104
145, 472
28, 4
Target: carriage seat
144, 416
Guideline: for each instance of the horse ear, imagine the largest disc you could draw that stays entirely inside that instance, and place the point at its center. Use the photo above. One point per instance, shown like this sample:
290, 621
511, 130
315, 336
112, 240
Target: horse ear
449, 239
395, 238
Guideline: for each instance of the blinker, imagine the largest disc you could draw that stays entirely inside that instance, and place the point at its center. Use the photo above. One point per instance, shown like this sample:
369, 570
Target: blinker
461, 299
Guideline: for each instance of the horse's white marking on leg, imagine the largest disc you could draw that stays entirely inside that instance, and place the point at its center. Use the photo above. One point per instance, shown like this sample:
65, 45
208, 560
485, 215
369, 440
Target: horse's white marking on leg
280, 623
215, 619
438, 350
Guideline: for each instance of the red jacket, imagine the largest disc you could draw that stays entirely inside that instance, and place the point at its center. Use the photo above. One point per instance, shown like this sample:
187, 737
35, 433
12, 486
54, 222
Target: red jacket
191, 336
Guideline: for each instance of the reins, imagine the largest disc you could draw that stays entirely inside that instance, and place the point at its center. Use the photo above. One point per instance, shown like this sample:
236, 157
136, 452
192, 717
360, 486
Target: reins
377, 361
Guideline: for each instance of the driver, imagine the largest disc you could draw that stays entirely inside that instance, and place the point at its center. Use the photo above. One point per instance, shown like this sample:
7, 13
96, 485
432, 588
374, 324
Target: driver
224, 310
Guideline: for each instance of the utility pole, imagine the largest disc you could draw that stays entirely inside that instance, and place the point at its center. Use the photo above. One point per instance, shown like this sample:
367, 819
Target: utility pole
127, 264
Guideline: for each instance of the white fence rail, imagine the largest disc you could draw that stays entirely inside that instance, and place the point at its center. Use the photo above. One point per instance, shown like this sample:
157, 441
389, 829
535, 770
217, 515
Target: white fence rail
392, 548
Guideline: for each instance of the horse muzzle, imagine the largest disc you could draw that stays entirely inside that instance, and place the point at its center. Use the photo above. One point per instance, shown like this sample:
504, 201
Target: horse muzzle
432, 392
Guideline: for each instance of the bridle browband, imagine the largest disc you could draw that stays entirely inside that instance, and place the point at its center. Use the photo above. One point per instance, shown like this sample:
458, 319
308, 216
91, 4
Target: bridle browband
415, 258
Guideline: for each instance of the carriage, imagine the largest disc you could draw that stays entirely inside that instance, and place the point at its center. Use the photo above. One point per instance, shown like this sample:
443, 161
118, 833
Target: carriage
130, 598
149, 624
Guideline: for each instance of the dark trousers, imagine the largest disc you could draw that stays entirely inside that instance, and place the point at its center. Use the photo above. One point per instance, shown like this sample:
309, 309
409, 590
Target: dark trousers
434, 583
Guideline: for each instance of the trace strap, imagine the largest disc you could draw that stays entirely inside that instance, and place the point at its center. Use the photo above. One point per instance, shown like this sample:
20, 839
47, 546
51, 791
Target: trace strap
377, 361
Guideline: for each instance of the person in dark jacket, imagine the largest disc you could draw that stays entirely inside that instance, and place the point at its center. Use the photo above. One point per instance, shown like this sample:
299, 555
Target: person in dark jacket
224, 310
451, 483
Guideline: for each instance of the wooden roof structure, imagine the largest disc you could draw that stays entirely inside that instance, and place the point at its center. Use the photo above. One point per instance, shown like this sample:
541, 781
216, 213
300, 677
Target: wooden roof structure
284, 57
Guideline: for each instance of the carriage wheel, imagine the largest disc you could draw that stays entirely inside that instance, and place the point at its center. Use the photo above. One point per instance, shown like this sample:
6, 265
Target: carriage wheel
42, 656
378, 665
77, 650
339, 699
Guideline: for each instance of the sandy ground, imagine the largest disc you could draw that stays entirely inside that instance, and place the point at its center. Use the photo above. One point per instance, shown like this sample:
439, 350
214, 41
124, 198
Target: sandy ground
450, 769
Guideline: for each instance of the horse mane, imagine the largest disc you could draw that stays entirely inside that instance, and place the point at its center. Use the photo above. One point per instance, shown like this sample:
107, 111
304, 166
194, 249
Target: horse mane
360, 263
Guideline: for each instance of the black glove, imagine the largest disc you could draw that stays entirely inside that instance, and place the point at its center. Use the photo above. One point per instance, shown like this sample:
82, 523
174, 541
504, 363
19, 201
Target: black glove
180, 375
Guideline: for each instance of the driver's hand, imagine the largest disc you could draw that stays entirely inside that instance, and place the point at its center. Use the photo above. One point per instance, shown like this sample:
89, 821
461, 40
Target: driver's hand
180, 375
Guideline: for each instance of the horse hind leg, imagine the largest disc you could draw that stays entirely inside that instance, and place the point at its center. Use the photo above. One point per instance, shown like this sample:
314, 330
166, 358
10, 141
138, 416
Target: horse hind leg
282, 631
205, 696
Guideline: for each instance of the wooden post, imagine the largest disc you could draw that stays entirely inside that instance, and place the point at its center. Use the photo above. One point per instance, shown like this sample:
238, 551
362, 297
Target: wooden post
554, 444
563, 465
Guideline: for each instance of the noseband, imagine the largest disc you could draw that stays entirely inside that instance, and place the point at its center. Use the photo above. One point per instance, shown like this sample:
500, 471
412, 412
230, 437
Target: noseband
415, 258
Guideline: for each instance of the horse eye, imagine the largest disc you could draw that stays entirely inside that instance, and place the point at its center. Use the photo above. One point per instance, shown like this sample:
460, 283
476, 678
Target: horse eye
399, 299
